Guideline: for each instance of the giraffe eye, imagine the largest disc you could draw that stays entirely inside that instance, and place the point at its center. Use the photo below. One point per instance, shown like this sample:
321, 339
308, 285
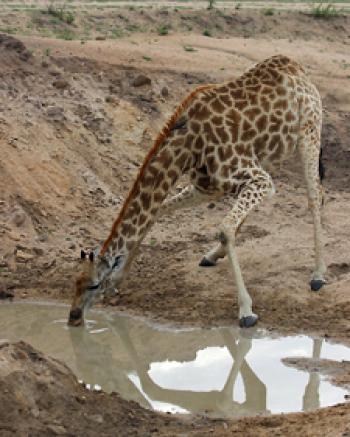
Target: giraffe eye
117, 261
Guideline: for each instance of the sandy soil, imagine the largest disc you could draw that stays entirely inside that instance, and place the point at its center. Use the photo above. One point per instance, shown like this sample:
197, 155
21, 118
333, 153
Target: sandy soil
73, 131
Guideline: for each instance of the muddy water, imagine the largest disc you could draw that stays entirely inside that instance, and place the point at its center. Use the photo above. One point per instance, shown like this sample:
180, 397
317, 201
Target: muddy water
222, 372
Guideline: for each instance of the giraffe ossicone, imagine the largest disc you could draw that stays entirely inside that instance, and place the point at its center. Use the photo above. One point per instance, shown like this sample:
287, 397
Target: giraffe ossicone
227, 138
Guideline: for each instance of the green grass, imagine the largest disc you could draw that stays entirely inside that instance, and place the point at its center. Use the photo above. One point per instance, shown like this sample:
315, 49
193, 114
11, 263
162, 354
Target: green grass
269, 12
60, 13
8, 29
147, 58
65, 34
163, 30
117, 33
325, 11
189, 49
207, 32
134, 28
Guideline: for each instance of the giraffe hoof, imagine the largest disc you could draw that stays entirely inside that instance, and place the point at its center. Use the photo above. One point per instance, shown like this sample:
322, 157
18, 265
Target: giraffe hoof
248, 322
205, 262
317, 284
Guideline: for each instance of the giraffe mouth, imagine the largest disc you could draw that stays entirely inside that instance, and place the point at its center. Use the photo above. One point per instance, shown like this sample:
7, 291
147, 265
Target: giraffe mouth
76, 317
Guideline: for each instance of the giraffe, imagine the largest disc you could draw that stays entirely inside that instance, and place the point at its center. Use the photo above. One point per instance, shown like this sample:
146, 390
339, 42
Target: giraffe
227, 138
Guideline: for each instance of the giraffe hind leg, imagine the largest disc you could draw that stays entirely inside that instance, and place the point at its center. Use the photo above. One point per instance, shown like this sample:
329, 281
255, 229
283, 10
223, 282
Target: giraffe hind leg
211, 257
310, 152
219, 251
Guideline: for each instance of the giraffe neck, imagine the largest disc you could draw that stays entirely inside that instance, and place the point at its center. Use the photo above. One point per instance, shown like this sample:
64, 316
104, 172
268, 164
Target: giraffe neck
168, 159
160, 171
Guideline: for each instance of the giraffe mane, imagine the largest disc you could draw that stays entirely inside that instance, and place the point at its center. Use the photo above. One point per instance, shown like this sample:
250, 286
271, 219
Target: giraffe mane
162, 135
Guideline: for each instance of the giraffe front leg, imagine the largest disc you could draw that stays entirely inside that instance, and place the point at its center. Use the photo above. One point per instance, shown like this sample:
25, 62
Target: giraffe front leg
250, 196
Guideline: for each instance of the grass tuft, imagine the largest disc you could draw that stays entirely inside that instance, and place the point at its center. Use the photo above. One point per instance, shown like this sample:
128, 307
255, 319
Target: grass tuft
269, 12
163, 30
60, 13
189, 49
325, 11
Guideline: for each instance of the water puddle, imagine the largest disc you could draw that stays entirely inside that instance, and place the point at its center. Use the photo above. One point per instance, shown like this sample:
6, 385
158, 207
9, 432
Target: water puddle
221, 372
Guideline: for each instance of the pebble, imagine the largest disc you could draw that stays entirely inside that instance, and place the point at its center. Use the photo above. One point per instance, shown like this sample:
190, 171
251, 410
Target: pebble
18, 218
141, 80
23, 257
61, 84
57, 429
98, 418
111, 99
164, 91
55, 112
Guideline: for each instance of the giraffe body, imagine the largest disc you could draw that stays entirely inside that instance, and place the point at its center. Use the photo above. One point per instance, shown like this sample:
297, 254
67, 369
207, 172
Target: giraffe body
227, 137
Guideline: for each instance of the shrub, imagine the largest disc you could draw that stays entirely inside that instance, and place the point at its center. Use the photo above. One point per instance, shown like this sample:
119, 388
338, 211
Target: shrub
189, 49
325, 11
163, 29
269, 11
60, 13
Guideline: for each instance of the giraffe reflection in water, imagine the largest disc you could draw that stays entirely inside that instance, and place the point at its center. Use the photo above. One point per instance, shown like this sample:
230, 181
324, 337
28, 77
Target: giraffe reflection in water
129, 374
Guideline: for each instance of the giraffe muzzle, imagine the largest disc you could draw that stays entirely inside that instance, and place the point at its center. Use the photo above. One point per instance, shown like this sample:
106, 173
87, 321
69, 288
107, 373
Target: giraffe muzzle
75, 317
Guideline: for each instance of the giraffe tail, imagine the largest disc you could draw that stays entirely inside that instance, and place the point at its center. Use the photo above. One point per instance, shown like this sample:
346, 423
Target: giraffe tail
321, 167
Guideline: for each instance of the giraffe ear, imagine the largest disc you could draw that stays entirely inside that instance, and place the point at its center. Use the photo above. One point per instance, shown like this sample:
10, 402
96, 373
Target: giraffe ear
82, 254
91, 256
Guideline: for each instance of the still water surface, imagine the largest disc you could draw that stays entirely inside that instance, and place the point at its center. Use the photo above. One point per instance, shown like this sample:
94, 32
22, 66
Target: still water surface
222, 372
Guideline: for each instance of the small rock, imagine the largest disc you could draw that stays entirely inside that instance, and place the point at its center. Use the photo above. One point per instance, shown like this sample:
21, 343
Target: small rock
18, 218
111, 99
114, 301
57, 429
38, 251
43, 237
100, 38
55, 112
54, 72
164, 91
6, 295
141, 80
35, 412
23, 257
44, 64
81, 399
98, 418
61, 84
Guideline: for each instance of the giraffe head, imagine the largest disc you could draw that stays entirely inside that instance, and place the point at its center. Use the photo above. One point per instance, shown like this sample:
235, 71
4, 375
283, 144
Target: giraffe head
91, 282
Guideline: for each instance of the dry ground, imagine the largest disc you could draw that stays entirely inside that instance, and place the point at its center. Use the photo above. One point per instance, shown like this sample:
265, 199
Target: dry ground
73, 131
